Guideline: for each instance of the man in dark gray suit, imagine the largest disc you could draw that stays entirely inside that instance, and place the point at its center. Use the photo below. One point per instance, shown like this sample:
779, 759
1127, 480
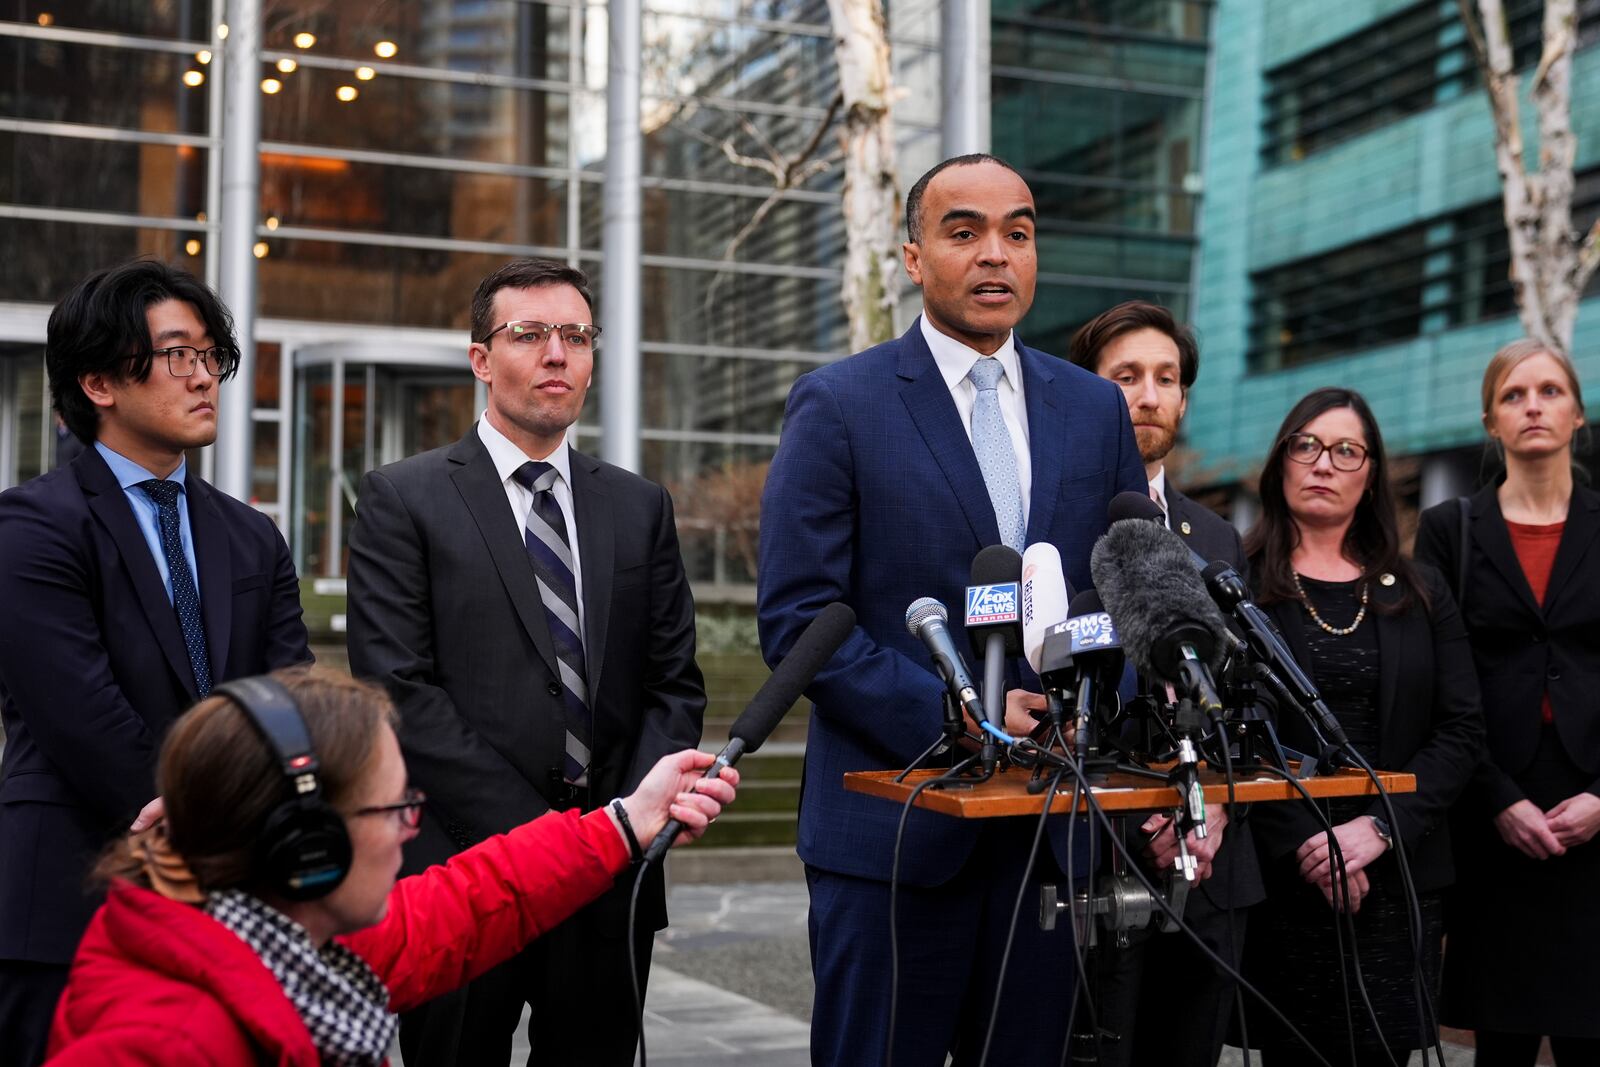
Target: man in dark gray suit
527, 608
1161, 995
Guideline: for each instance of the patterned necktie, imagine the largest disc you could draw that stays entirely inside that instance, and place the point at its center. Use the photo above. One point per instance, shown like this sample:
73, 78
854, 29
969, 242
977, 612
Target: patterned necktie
1155, 495
997, 457
545, 535
185, 600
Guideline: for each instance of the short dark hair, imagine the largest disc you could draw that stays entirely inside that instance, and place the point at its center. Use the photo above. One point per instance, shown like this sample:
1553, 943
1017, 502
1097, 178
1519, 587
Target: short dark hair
100, 328
533, 273
914, 197
1092, 337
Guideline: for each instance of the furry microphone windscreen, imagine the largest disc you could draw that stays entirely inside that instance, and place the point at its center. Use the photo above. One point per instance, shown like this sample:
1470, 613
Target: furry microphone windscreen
1144, 575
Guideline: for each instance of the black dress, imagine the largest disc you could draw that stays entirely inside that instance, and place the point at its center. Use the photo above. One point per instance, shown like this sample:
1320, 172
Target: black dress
1294, 947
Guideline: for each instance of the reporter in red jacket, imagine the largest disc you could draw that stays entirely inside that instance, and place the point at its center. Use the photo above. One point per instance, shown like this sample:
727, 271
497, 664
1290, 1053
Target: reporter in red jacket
196, 959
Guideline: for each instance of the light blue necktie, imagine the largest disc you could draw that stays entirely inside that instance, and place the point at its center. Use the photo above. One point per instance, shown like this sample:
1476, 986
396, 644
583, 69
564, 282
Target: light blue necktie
997, 457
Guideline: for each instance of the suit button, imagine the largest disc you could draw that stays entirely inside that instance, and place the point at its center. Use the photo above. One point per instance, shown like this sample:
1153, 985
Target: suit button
1553, 673
554, 689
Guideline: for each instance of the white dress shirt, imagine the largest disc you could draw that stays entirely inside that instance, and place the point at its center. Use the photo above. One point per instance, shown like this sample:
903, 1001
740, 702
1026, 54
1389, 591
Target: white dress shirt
955, 361
508, 459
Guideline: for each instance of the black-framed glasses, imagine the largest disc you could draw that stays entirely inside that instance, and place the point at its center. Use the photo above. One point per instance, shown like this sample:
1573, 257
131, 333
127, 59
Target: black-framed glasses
1307, 448
409, 810
530, 332
182, 359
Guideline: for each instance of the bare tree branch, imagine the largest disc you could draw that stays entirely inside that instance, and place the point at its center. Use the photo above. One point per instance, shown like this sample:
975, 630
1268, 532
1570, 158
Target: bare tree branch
1480, 50
1588, 259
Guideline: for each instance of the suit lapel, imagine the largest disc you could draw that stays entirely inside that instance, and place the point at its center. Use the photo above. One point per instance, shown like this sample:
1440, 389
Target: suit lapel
1047, 439
1490, 533
1391, 650
214, 561
933, 411
597, 554
1583, 522
110, 506
479, 484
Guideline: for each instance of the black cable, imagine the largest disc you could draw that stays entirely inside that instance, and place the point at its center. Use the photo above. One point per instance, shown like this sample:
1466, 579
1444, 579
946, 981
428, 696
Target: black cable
1427, 1019
633, 960
1072, 904
1160, 901
894, 890
1016, 912
1343, 921
1232, 808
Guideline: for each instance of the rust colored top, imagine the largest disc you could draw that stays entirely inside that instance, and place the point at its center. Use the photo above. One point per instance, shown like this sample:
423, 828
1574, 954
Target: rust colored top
1536, 547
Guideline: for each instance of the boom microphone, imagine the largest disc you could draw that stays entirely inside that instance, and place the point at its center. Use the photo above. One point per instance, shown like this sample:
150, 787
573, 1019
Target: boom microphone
927, 620
1044, 598
1163, 612
1229, 591
816, 645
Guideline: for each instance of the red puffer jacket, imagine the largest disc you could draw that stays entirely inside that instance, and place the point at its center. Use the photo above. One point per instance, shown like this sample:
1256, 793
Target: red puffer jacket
160, 982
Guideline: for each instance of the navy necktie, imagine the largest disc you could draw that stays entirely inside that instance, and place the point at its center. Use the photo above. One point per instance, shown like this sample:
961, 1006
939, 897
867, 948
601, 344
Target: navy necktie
545, 535
185, 599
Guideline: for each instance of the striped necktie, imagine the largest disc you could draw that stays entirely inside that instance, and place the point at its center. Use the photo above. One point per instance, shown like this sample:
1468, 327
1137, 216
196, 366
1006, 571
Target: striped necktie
185, 598
545, 535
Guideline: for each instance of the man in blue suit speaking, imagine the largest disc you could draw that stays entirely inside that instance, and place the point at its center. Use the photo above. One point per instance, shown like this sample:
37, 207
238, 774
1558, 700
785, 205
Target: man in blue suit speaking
895, 468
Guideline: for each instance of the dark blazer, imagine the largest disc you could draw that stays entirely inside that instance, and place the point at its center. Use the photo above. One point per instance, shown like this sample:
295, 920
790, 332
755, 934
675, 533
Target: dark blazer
1522, 649
1235, 875
1430, 725
445, 614
93, 670
875, 498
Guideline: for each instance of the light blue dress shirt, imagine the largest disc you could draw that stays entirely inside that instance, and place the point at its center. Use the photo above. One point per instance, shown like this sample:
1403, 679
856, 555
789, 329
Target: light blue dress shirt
145, 512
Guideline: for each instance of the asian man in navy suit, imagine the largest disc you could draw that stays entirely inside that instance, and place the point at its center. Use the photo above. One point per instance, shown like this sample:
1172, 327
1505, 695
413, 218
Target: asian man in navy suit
130, 588
896, 466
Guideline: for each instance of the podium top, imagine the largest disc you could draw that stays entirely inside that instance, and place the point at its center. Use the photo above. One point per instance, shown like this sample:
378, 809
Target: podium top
1007, 792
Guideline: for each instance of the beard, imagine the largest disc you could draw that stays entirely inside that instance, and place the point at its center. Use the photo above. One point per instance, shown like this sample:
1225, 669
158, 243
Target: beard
1155, 441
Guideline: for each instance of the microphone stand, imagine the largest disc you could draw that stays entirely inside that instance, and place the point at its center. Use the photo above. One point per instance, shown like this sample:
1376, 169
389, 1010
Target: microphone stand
952, 732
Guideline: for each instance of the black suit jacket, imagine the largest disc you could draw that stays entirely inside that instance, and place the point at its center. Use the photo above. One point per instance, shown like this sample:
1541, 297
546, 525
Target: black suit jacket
1430, 725
445, 613
1236, 875
93, 670
1523, 649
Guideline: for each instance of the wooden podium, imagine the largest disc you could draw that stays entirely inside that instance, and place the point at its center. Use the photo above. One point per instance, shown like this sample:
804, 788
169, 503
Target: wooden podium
1007, 792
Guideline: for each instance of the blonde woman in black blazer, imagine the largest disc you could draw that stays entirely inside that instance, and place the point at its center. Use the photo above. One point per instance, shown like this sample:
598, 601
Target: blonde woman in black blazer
1524, 950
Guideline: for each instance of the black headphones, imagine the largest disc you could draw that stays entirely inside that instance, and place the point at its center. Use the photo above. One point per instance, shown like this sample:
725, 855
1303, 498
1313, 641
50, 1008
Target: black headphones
303, 851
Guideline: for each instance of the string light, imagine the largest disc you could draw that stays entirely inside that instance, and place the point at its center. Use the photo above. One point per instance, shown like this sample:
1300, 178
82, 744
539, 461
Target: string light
193, 78
287, 66
385, 49
260, 250
304, 40
346, 93
222, 31
192, 246
366, 74
203, 56
271, 86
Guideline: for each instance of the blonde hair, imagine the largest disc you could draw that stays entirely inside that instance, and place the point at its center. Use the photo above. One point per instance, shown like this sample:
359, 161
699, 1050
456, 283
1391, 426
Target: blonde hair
1512, 356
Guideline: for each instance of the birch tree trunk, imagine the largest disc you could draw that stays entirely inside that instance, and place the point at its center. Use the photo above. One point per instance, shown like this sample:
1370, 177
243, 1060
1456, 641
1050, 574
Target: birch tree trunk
871, 193
1550, 263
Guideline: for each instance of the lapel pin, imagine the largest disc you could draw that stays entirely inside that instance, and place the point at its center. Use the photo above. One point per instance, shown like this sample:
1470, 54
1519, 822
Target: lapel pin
1184, 526
1386, 578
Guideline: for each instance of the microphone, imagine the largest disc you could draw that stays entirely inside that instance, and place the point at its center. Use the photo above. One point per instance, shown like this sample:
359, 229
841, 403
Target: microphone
994, 625
1162, 609
1084, 653
1044, 598
926, 619
815, 646
1229, 592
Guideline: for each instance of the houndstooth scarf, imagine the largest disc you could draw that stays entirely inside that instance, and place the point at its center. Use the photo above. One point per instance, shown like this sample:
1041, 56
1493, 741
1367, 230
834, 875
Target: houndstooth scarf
342, 1003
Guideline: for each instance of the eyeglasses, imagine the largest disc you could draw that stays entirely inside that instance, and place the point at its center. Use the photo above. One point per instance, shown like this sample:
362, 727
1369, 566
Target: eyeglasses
529, 332
181, 359
409, 810
1307, 448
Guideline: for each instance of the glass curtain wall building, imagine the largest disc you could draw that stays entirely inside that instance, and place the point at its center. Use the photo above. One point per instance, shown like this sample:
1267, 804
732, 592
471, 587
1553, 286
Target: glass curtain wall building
1100, 103
1353, 234
408, 148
